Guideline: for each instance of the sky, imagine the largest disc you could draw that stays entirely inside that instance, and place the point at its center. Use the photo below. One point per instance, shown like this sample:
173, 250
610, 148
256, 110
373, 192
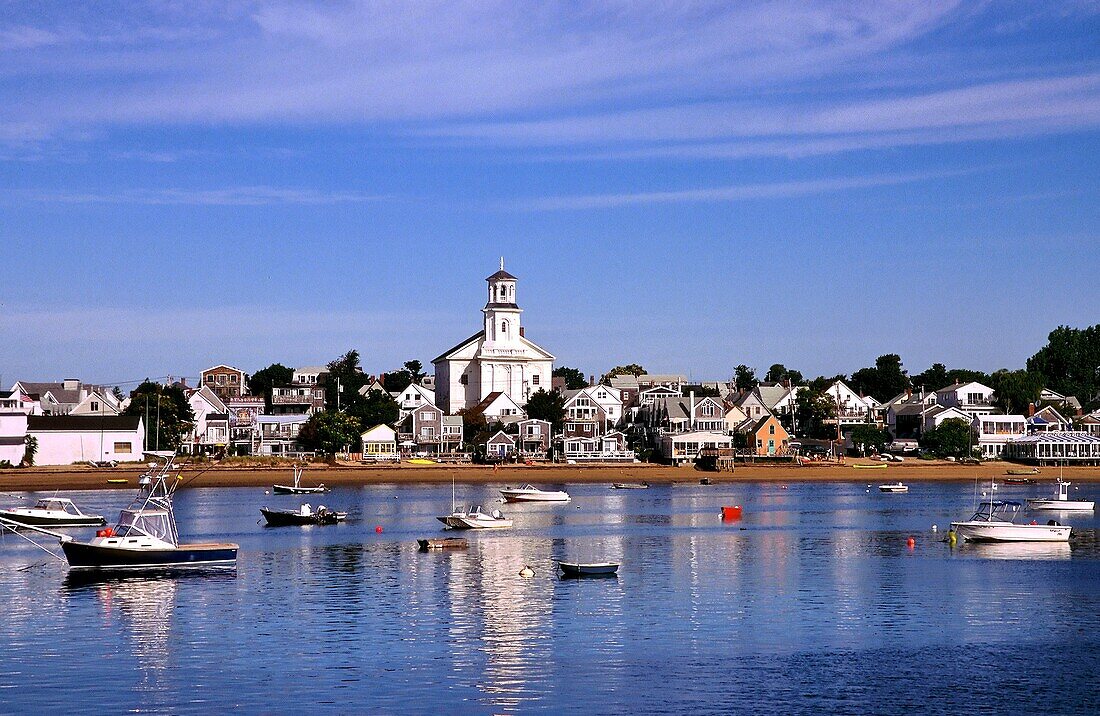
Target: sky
685, 186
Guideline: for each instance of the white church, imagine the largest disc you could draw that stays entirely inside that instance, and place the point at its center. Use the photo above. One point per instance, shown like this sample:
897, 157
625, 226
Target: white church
496, 359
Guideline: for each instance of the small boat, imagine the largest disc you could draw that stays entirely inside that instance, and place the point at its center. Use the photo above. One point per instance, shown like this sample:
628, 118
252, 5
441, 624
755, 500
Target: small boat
1032, 471
302, 516
588, 569
52, 512
530, 493
296, 488
629, 485
993, 522
475, 519
1020, 481
1061, 501
894, 487
117, 481
876, 466
421, 461
443, 543
146, 537
705, 481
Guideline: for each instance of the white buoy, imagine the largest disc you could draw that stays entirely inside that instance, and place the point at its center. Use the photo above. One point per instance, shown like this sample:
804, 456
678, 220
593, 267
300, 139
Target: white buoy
935, 529
526, 572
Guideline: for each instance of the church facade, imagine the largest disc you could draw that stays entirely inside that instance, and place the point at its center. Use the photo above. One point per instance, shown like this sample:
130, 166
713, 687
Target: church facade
496, 359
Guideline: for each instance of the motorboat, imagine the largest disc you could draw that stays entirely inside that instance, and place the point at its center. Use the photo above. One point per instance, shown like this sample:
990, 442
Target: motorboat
146, 536
588, 569
305, 515
52, 512
629, 485
1061, 501
994, 522
530, 493
442, 543
297, 488
1019, 481
475, 519
894, 487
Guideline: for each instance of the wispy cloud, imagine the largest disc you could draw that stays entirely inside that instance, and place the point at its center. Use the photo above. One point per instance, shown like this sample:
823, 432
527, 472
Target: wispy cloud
737, 192
232, 196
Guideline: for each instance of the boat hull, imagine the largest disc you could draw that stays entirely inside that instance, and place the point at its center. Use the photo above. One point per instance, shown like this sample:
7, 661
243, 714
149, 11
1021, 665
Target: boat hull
1008, 532
44, 521
893, 488
456, 522
289, 490
1067, 505
85, 556
575, 569
522, 496
282, 518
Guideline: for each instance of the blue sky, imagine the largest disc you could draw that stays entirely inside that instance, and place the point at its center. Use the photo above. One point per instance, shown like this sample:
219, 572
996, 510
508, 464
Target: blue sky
685, 186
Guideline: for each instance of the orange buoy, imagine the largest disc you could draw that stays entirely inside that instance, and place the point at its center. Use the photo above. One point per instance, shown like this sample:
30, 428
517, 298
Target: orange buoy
731, 513
911, 543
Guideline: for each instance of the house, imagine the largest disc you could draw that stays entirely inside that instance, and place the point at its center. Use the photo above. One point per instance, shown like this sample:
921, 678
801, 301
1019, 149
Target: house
427, 430
533, 437
972, 397
244, 413
372, 387
497, 359
647, 380
13, 436
211, 431
733, 417
98, 402
903, 415
751, 403
380, 444
16, 401
678, 448
225, 380
683, 414
766, 437
934, 416
608, 447
851, 408
1069, 447
411, 398
297, 399
1068, 403
498, 406
649, 396
778, 398
1047, 419
1090, 423
57, 398
310, 375
501, 445
69, 439
278, 434
993, 432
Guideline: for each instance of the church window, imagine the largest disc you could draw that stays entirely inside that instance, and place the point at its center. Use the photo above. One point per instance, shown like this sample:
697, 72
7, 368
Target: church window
535, 379
504, 328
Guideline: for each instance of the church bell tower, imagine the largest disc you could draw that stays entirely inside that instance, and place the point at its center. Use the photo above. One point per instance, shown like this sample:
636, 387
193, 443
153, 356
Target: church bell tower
502, 315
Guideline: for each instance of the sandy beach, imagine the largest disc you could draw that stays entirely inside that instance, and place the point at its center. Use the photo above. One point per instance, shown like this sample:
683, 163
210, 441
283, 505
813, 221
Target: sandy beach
213, 475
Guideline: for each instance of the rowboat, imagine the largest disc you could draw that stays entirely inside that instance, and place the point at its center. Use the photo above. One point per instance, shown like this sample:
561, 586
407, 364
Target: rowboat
878, 466
629, 485
443, 543
588, 569
1032, 471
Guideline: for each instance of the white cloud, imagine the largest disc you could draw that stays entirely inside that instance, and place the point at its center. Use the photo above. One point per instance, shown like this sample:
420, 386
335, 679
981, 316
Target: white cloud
233, 196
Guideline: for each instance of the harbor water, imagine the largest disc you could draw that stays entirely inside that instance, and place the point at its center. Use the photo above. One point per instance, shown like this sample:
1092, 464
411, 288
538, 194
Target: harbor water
811, 602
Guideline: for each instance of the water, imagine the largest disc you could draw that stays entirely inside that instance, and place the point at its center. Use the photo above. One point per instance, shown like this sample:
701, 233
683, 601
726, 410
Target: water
813, 602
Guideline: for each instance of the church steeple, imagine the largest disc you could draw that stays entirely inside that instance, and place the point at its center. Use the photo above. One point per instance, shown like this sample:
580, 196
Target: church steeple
502, 313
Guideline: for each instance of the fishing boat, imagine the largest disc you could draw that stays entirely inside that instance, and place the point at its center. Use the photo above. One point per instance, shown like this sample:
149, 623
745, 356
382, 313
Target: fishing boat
146, 536
475, 519
588, 569
52, 512
530, 493
994, 522
629, 485
443, 543
1061, 501
894, 487
305, 515
297, 488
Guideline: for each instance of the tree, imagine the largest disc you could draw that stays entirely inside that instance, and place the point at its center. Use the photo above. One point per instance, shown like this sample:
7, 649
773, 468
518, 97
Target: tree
744, 378
375, 408
702, 391
779, 373
29, 451
1070, 363
628, 369
396, 381
415, 370
574, 379
932, 379
166, 412
868, 438
1015, 389
951, 438
345, 378
884, 381
548, 406
262, 381
330, 432
812, 408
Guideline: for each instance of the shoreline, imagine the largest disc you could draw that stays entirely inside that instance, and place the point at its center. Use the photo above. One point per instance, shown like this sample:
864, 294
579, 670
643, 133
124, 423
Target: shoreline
85, 478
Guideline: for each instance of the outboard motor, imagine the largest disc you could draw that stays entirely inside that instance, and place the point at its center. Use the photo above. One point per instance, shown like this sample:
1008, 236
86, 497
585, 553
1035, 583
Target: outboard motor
1053, 523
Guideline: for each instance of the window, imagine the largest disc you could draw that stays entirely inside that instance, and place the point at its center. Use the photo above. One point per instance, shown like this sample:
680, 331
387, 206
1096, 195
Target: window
95, 406
464, 379
759, 443
535, 379
504, 328
210, 379
233, 378
427, 415
124, 448
771, 430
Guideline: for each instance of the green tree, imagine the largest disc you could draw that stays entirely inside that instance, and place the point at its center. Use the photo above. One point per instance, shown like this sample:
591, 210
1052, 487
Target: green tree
628, 369
868, 438
262, 381
965, 375
1070, 363
779, 373
330, 432
884, 381
951, 438
375, 408
701, 391
574, 379
548, 406
1015, 389
29, 451
345, 378
932, 379
812, 409
415, 370
745, 378
397, 380
166, 412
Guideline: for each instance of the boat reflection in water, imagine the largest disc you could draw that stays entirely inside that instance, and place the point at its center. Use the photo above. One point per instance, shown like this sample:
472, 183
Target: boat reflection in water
1017, 550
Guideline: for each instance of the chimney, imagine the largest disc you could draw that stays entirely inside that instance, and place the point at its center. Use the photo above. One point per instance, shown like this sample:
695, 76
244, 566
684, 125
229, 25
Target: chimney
521, 331
592, 380
1030, 409
908, 393
692, 423
70, 384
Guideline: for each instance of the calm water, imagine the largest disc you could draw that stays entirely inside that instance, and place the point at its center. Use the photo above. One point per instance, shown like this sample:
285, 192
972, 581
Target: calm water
812, 602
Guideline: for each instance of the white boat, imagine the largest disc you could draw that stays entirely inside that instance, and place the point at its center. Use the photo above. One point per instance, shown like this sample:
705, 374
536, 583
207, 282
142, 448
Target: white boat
1061, 501
893, 487
297, 488
53, 512
530, 493
475, 519
993, 522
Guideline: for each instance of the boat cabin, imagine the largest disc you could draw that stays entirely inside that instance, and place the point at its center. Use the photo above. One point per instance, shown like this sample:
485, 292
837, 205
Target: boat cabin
152, 523
58, 504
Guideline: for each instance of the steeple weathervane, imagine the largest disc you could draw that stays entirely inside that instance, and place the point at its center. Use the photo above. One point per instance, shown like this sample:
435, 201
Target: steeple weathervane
501, 263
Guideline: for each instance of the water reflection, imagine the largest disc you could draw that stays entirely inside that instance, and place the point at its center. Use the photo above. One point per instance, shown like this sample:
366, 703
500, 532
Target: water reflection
1016, 550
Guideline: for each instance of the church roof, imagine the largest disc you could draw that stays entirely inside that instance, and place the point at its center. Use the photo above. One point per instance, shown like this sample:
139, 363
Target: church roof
502, 275
452, 349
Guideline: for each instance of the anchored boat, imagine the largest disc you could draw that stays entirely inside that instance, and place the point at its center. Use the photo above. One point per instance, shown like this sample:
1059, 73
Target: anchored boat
475, 519
894, 487
305, 515
588, 569
530, 493
994, 522
52, 512
297, 488
1061, 501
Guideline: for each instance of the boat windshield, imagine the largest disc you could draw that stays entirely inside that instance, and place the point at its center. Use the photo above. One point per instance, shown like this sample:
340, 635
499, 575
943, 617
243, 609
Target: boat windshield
996, 511
59, 505
154, 523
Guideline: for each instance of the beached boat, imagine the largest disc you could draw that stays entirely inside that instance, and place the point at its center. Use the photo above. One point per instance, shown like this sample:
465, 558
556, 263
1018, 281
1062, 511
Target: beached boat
893, 487
146, 537
475, 519
52, 512
530, 493
443, 543
297, 488
1019, 471
1061, 501
629, 485
305, 515
994, 522
588, 569
876, 466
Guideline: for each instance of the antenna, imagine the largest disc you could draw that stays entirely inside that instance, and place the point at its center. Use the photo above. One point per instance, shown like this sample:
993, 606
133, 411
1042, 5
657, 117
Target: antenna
501, 263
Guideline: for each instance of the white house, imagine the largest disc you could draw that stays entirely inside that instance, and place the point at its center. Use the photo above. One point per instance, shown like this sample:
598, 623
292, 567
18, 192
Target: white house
497, 359
684, 447
279, 433
993, 432
69, 439
309, 375
851, 407
56, 398
413, 397
13, 435
500, 406
934, 416
98, 402
972, 397
380, 444
211, 431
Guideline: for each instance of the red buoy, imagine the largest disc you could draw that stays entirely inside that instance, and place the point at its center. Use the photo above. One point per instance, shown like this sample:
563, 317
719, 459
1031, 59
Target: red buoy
911, 543
731, 513
378, 529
